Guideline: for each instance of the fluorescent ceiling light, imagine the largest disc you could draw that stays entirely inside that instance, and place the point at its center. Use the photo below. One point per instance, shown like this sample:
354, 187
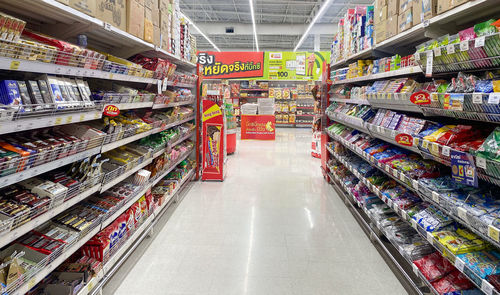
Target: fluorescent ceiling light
253, 25
311, 24
199, 31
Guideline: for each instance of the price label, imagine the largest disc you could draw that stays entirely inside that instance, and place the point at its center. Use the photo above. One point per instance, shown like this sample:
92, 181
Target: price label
97, 115
494, 98
107, 26
417, 56
69, 119
479, 42
429, 64
90, 286
416, 141
58, 121
445, 151
14, 65
481, 162
395, 173
159, 87
393, 133
435, 148
58, 70
413, 223
32, 283
426, 23
462, 213
487, 288
388, 169
415, 184
450, 49
165, 84
395, 207
477, 98
435, 197
415, 269
78, 72
402, 177
430, 238
464, 45
437, 51
493, 233
82, 117
425, 144
389, 202
459, 264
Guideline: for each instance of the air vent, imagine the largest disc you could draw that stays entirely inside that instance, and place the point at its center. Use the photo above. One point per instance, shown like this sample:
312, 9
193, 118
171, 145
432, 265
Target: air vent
229, 30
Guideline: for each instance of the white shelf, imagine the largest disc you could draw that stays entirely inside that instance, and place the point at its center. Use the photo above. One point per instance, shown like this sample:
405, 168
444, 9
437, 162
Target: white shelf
183, 138
463, 14
352, 101
65, 22
133, 105
24, 288
173, 104
17, 232
401, 72
127, 205
54, 69
125, 175
124, 141
32, 172
185, 85
180, 186
159, 129
48, 121
172, 167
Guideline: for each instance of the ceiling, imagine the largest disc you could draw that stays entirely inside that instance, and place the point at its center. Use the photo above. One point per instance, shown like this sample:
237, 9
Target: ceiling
280, 23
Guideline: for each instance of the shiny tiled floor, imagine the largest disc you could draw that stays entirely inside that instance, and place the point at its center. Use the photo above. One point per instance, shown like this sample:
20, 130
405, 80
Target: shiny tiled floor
274, 226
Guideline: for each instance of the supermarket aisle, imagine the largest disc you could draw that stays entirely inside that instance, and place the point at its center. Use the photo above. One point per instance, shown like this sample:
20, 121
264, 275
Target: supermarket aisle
273, 227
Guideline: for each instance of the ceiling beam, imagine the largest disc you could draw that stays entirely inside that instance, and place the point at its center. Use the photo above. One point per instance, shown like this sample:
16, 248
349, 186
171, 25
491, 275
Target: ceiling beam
266, 29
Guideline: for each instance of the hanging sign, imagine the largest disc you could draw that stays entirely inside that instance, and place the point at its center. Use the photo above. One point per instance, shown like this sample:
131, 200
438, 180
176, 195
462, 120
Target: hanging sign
231, 65
463, 169
111, 111
420, 98
404, 139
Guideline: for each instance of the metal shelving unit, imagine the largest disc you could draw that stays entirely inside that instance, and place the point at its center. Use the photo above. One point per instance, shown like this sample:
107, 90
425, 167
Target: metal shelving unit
397, 73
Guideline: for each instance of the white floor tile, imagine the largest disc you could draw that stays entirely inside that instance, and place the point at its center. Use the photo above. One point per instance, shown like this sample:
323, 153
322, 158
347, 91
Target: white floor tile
274, 226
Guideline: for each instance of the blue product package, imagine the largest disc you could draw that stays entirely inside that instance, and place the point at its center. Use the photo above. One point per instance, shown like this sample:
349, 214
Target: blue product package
484, 86
482, 263
10, 93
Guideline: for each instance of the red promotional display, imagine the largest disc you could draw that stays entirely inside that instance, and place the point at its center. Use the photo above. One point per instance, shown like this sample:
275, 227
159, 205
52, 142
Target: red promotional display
231, 65
261, 127
213, 141
420, 98
404, 139
111, 111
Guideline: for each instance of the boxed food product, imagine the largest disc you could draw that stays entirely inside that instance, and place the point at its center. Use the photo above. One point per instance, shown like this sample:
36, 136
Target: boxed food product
417, 12
405, 20
380, 34
135, 18
393, 7
443, 5
429, 8
391, 27
85, 6
381, 14
112, 12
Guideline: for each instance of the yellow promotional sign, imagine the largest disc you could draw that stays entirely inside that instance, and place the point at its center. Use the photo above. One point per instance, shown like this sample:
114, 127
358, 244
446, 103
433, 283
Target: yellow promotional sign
211, 112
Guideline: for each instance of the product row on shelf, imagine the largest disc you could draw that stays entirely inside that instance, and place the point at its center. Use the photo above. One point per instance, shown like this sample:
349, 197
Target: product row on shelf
446, 257
391, 26
155, 24
45, 215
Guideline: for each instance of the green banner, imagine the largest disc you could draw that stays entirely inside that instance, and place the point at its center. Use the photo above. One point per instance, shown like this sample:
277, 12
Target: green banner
294, 65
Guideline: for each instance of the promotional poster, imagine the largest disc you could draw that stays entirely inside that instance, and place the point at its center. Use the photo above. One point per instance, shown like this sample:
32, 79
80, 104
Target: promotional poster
261, 127
213, 141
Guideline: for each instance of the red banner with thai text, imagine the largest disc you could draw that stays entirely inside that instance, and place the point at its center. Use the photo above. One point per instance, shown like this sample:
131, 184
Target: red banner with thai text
261, 127
231, 65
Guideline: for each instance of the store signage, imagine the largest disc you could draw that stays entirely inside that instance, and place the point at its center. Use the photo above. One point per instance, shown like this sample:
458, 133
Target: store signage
231, 65
261, 127
463, 169
404, 139
420, 98
213, 136
111, 111
295, 65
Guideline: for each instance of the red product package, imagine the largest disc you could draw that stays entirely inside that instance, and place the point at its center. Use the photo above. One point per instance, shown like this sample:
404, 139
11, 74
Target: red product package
452, 282
135, 212
434, 266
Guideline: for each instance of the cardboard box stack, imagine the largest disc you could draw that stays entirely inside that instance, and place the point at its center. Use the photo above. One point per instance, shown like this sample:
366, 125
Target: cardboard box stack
155, 21
356, 32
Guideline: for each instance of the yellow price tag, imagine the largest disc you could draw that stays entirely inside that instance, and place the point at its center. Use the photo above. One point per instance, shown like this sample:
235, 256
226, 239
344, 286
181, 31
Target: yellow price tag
111, 75
69, 119
82, 117
493, 233
425, 144
96, 116
58, 121
14, 65
90, 286
32, 283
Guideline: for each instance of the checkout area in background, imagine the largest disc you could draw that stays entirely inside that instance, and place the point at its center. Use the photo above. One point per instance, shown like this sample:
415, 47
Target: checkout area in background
266, 89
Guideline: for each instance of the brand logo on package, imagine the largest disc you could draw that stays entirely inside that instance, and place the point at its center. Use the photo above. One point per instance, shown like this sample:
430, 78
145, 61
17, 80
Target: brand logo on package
230, 65
404, 139
420, 98
111, 111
